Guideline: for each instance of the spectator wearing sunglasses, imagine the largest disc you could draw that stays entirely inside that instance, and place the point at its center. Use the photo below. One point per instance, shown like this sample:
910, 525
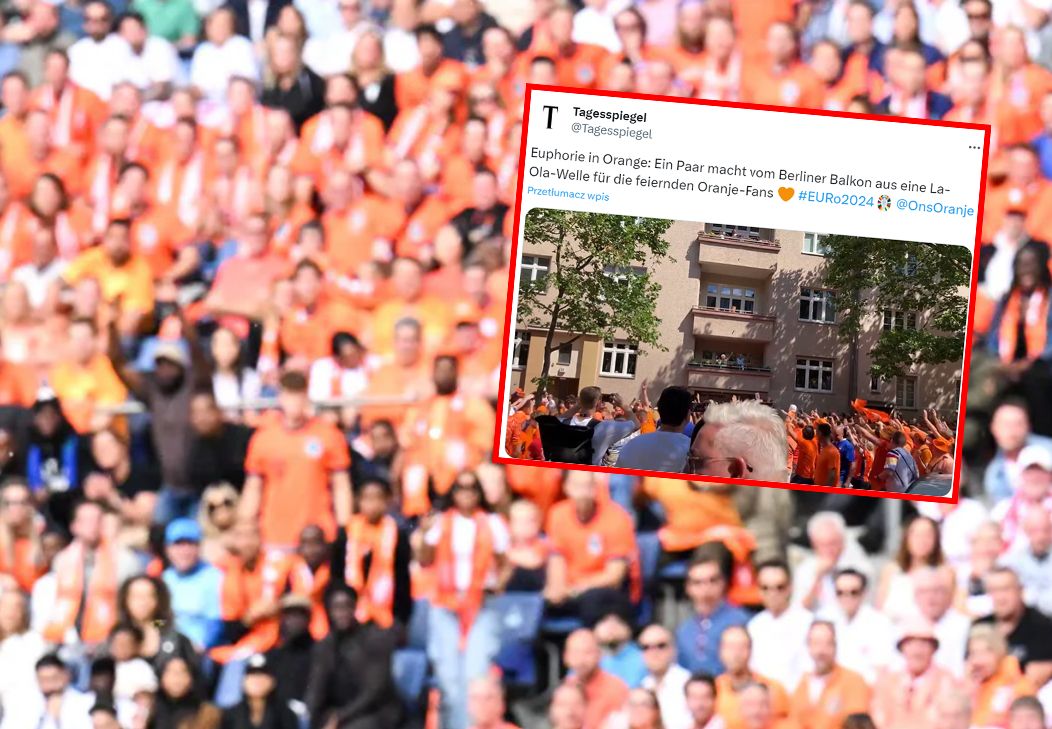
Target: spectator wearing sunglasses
217, 516
778, 632
665, 677
865, 636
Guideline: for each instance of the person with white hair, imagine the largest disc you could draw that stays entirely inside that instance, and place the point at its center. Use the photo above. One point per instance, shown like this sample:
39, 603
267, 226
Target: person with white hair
833, 550
740, 439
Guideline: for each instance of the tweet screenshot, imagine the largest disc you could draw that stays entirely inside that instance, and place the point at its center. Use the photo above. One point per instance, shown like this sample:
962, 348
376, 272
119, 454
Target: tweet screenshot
732, 294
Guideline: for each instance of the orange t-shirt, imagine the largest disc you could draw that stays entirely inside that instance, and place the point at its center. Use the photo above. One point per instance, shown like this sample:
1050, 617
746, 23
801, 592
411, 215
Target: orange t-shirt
22, 170
309, 334
158, 235
845, 692
295, 465
728, 708
21, 565
18, 385
606, 694
689, 512
394, 380
131, 283
587, 548
797, 86
412, 87
827, 466
80, 389
752, 19
806, 454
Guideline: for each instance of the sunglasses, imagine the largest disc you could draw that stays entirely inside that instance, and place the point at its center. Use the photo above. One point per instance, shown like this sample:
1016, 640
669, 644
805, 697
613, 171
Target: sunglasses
654, 646
704, 580
848, 593
217, 505
978, 16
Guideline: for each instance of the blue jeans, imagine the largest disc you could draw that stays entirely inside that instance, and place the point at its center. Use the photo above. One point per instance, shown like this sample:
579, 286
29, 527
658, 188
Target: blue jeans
175, 504
455, 668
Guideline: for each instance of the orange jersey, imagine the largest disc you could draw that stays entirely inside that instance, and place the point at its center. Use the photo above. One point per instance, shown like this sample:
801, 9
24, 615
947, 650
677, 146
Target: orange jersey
690, 512
81, 389
588, 547
395, 380
845, 692
131, 283
309, 333
22, 169
728, 708
806, 454
827, 466
158, 236
75, 114
796, 86
296, 465
412, 87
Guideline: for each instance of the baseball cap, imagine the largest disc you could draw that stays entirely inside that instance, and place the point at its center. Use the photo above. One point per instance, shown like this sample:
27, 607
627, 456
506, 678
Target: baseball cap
1035, 455
172, 352
291, 601
182, 530
258, 663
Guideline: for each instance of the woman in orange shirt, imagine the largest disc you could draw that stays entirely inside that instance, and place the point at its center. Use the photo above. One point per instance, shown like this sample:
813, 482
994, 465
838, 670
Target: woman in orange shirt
466, 546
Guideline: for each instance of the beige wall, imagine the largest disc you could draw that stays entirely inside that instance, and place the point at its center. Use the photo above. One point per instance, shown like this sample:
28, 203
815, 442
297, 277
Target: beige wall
775, 336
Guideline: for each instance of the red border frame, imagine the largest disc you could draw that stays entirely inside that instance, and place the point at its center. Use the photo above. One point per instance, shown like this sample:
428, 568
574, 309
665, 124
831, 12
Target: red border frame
503, 395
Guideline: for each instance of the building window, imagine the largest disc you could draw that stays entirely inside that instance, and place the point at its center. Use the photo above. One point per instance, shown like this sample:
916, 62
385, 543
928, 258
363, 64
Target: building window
520, 351
817, 305
621, 273
814, 375
730, 298
899, 320
906, 392
735, 231
813, 244
564, 354
874, 383
619, 359
533, 268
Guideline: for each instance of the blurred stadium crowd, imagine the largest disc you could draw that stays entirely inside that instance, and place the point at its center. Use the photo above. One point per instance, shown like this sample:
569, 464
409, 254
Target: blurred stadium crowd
254, 259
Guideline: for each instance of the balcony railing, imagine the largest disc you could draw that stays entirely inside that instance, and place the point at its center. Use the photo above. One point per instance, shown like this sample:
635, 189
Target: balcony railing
729, 324
707, 236
731, 365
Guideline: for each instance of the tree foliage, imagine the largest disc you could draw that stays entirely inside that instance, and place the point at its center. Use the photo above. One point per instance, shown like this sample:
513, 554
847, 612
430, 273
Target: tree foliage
870, 275
591, 287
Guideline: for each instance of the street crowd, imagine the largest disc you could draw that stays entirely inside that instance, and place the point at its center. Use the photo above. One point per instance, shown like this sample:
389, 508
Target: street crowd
254, 258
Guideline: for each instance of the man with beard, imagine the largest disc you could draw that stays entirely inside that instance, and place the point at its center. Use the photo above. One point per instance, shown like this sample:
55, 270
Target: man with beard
167, 392
339, 693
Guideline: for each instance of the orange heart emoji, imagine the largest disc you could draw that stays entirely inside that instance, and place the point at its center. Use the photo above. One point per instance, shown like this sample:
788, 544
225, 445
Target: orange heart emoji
786, 193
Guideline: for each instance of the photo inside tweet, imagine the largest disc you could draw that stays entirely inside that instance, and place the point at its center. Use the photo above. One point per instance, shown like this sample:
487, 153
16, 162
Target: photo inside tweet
825, 355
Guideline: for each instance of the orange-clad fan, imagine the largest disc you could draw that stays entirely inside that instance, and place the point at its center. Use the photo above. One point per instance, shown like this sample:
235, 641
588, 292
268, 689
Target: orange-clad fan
996, 679
594, 567
74, 112
23, 165
839, 691
297, 467
21, 554
254, 579
735, 654
88, 574
85, 380
604, 693
377, 558
447, 433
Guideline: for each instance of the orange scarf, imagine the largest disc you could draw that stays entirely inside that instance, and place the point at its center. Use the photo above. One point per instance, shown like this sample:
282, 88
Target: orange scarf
375, 590
1035, 327
468, 604
100, 602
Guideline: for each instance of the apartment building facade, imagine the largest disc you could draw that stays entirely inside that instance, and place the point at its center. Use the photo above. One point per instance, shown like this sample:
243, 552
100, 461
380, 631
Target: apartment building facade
743, 310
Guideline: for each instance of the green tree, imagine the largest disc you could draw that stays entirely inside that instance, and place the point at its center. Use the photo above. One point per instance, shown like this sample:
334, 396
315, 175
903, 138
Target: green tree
870, 275
591, 287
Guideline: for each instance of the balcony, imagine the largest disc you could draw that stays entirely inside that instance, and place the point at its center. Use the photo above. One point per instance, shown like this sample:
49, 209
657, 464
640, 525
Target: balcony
732, 255
713, 376
723, 324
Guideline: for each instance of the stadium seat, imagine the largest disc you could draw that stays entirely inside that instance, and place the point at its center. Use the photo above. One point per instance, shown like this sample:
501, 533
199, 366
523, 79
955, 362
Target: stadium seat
409, 670
520, 619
